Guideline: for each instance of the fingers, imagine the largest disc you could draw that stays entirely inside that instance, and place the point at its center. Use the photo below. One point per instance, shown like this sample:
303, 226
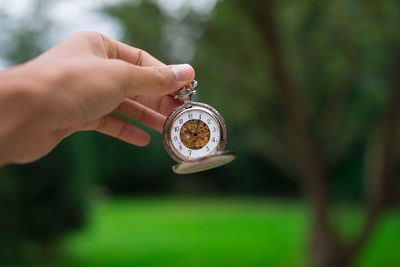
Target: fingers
164, 105
116, 127
119, 128
133, 55
151, 81
141, 113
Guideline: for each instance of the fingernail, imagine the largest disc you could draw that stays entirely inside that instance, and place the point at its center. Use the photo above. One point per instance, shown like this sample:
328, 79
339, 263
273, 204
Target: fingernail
182, 72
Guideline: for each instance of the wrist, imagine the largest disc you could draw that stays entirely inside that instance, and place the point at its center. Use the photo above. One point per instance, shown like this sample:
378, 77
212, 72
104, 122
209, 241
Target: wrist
21, 105
20, 93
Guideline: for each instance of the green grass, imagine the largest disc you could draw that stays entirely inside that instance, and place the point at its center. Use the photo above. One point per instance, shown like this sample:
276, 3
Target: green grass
209, 232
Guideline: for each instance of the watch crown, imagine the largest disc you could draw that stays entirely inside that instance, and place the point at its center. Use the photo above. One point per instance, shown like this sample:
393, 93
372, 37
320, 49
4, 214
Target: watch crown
185, 94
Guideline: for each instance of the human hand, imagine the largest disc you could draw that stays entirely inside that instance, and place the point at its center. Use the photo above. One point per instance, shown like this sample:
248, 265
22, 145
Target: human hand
75, 86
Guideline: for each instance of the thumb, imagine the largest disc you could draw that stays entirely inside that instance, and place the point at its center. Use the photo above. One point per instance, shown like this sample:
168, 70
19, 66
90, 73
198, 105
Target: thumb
158, 80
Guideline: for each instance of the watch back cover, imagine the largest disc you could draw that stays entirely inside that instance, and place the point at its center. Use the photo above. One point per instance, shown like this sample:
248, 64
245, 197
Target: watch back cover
207, 163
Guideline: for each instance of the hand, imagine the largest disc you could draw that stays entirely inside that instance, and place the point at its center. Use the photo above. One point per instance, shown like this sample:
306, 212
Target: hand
75, 86
197, 127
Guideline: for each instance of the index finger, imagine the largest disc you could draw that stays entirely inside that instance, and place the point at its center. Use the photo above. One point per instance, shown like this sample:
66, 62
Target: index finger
130, 54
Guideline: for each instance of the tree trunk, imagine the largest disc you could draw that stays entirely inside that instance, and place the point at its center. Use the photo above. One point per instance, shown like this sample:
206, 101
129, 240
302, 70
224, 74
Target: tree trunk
325, 248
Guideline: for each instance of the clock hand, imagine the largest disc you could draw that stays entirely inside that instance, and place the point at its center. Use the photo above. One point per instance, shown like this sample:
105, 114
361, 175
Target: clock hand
197, 126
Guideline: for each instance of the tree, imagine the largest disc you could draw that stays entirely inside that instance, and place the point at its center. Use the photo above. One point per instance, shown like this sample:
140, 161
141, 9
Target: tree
306, 137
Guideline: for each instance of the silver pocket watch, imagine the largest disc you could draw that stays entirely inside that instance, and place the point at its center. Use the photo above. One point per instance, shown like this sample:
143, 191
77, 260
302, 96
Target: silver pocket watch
194, 135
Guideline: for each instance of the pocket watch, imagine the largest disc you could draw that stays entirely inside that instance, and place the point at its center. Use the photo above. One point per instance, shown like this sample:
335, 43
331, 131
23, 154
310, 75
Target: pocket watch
194, 135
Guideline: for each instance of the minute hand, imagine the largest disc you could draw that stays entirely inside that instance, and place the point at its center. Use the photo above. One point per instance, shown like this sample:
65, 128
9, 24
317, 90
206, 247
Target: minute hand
197, 126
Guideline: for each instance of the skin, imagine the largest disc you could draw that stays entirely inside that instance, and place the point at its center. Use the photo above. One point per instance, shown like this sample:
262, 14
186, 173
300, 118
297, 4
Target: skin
75, 86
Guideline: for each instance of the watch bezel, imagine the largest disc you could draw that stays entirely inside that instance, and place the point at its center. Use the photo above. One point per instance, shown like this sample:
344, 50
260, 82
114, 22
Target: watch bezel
167, 140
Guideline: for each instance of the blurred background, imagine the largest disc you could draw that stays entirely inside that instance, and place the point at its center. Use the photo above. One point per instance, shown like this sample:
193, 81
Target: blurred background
310, 91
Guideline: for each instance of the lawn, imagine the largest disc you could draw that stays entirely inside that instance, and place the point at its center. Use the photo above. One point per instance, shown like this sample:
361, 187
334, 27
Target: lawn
209, 232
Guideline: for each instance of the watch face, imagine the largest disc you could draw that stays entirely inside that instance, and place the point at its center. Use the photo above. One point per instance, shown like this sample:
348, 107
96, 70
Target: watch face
195, 134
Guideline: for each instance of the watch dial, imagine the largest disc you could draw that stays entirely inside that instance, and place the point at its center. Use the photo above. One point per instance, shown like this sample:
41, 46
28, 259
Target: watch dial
195, 134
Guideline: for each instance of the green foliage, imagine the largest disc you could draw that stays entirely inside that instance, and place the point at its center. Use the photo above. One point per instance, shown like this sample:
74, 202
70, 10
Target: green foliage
340, 59
142, 29
39, 203
337, 55
25, 36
